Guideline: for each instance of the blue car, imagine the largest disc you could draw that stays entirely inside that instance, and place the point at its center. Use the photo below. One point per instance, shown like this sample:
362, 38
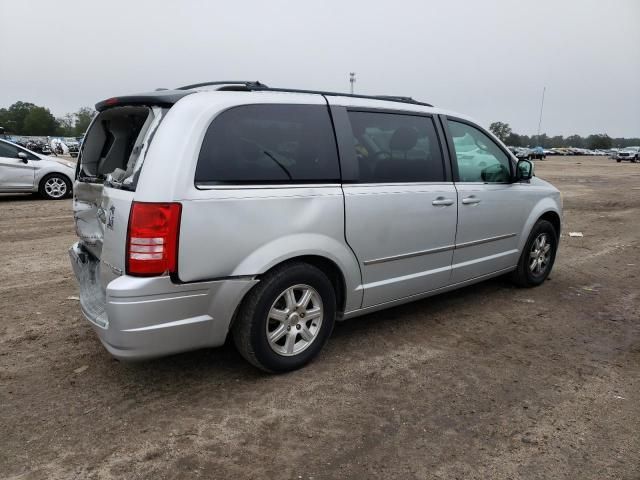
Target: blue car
537, 153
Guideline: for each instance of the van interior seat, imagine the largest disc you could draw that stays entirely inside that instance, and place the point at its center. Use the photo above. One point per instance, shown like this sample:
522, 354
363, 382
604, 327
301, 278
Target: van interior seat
405, 160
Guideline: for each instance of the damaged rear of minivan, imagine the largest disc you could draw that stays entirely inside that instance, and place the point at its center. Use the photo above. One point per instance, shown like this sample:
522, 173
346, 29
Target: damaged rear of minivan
125, 259
109, 164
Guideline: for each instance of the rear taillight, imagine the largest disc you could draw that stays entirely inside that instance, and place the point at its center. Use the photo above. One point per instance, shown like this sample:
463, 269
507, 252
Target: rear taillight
152, 239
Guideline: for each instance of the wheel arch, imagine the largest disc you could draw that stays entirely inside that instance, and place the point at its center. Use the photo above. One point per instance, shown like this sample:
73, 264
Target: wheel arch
548, 209
45, 175
553, 218
51, 166
329, 268
326, 253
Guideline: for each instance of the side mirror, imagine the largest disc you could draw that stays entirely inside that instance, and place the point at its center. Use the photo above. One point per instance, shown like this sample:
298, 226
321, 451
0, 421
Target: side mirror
524, 170
23, 156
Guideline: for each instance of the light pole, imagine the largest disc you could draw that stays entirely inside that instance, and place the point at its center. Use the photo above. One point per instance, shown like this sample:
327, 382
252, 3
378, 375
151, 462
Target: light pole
352, 80
541, 107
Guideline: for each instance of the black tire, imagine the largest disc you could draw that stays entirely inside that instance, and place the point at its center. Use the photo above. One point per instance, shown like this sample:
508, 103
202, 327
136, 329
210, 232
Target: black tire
618, 160
523, 276
49, 194
250, 327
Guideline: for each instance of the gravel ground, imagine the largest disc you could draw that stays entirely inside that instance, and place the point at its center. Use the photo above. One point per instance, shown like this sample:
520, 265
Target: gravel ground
487, 382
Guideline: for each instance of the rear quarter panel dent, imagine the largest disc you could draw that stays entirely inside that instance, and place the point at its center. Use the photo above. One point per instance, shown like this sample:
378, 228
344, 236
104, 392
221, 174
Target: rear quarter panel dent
286, 248
235, 237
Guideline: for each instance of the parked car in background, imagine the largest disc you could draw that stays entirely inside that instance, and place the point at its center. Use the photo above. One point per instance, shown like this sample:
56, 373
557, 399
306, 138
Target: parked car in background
24, 171
34, 145
45, 149
631, 154
270, 214
521, 153
537, 153
73, 145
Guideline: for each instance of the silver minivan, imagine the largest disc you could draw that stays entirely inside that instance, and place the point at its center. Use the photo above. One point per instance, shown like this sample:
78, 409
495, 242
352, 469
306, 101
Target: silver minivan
232, 208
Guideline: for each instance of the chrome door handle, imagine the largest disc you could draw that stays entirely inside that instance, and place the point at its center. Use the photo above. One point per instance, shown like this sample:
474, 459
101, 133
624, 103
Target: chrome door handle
441, 201
471, 200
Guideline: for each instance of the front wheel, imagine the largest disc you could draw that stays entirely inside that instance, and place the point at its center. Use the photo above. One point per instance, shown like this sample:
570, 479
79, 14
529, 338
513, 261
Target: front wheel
538, 255
55, 186
286, 319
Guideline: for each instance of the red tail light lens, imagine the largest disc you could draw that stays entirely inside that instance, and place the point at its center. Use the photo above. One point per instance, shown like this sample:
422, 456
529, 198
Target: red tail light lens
152, 239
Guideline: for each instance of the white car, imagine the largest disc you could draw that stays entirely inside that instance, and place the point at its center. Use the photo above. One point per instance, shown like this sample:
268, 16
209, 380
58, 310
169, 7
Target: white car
631, 154
24, 171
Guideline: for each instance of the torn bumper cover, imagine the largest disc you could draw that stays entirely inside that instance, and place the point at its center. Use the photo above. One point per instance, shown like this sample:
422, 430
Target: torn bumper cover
139, 318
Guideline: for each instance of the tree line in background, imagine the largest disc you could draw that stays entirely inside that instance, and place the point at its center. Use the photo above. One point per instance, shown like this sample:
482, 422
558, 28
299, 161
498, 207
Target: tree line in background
24, 118
596, 141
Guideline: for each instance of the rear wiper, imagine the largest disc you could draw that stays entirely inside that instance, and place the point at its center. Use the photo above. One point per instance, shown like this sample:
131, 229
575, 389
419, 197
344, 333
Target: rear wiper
284, 169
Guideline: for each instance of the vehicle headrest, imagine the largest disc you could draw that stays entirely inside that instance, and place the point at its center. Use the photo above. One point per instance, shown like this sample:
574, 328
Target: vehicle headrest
404, 139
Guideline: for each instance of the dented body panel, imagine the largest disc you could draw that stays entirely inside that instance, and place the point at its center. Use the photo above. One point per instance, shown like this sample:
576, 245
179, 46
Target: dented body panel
289, 223
140, 318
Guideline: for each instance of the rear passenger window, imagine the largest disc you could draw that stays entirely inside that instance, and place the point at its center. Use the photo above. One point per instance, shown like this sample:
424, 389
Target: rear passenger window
269, 144
396, 148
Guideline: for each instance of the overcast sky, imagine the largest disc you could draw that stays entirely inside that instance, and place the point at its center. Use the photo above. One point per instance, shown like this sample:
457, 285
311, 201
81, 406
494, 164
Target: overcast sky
489, 59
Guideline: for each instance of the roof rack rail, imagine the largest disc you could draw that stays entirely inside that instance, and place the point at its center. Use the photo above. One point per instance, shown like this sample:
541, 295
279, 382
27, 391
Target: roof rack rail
252, 86
397, 98
248, 84
389, 98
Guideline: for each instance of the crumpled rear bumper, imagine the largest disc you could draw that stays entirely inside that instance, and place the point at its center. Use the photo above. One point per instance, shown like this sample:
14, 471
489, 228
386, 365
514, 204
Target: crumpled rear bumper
139, 318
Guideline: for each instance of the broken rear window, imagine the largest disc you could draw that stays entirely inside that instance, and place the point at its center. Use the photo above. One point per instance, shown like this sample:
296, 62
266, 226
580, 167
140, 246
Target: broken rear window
115, 142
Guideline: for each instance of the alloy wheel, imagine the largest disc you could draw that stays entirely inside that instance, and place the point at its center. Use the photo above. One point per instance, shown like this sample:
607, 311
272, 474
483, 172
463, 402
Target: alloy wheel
55, 187
540, 254
294, 320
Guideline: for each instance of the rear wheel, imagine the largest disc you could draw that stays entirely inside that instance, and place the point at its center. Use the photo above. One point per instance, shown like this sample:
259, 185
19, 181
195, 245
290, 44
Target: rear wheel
286, 319
537, 256
54, 186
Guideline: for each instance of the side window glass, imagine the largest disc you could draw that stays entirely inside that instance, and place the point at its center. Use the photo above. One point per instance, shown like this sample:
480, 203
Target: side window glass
479, 158
8, 151
396, 148
29, 155
262, 144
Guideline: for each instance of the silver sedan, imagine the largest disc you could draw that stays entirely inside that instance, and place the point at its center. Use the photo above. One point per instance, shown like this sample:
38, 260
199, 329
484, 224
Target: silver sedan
24, 171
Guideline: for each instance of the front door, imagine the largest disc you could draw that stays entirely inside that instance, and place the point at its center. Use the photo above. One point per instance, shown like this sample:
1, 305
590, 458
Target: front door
15, 174
491, 212
400, 207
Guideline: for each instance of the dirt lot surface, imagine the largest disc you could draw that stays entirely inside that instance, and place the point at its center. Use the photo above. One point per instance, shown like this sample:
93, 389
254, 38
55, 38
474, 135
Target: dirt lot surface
486, 382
